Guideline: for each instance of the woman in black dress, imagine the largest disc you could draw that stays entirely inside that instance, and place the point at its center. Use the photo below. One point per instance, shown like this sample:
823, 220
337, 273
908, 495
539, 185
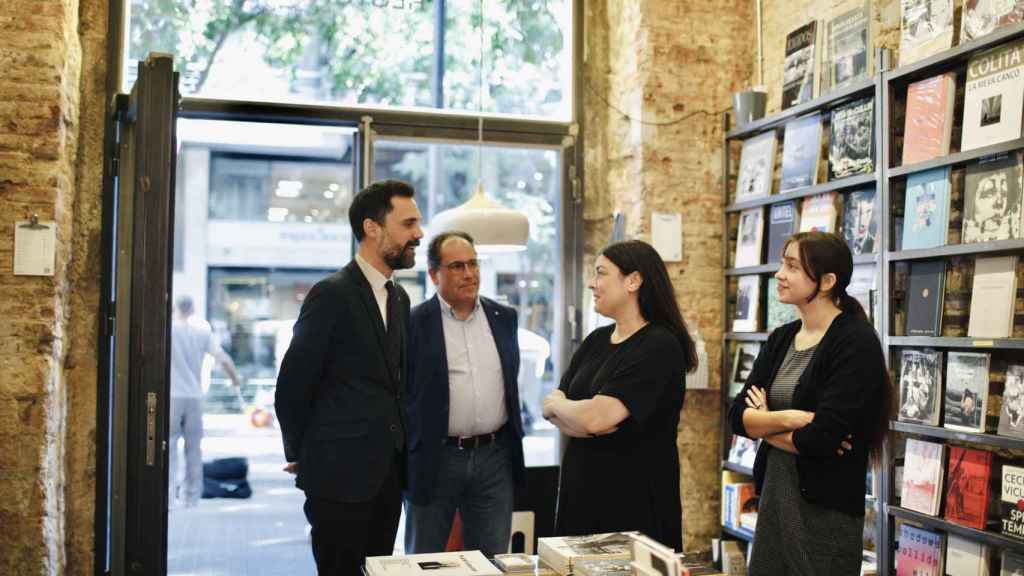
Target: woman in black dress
818, 395
619, 403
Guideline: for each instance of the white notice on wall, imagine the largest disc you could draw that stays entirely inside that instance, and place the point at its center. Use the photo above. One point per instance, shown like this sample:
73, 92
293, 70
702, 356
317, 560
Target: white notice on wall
667, 235
34, 248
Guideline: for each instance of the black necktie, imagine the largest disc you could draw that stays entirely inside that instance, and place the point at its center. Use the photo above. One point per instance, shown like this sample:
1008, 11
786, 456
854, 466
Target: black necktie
394, 331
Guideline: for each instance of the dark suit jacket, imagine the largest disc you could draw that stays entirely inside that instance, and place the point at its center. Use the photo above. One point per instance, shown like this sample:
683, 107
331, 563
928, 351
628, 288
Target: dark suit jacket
427, 401
338, 399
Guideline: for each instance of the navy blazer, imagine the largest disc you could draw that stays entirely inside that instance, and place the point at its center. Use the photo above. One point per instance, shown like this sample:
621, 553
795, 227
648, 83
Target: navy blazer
427, 399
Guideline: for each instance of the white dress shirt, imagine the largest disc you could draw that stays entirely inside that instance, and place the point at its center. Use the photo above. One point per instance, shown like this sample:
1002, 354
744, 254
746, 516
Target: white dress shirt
377, 282
476, 385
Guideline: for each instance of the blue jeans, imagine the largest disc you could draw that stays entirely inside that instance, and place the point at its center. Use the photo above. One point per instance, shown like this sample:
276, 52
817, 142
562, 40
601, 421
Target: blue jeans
478, 483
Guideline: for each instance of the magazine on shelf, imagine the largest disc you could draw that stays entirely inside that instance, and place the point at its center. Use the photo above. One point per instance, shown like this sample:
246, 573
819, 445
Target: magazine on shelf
928, 126
783, 222
465, 563
748, 300
994, 97
757, 164
851, 148
966, 391
749, 237
801, 149
848, 51
926, 209
921, 490
993, 297
992, 200
743, 363
1011, 415
982, 17
926, 28
860, 221
799, 65
920, 386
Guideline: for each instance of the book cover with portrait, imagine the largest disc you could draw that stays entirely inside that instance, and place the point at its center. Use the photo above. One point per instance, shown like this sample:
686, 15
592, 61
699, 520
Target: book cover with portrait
920, 386
992, 200
966, 391
1011, 415
757, 164
860, 221
851, 147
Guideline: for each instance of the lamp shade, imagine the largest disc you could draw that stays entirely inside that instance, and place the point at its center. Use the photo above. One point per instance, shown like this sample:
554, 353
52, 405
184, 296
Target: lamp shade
493, 227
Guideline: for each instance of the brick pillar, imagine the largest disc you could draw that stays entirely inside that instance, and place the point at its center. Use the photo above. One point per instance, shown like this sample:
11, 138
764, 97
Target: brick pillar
671, 67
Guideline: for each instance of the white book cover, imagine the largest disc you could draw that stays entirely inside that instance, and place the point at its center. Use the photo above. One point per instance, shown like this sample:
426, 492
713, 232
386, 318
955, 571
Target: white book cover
561, 553
467, 563
994, 97
748, 299
819, 213
801, 150
966, 557
757, 163
926, 28
966, 391
993, 297
922, 477
749, 237
920, 386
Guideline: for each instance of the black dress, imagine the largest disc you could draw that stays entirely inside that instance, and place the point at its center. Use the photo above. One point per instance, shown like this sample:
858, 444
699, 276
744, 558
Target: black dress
627, 480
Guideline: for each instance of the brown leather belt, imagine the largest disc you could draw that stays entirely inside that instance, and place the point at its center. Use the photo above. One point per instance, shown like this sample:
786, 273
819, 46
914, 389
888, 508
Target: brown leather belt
471, 442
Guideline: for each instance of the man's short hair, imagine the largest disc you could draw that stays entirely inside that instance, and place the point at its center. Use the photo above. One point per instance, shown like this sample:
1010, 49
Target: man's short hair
434, 250
374, 202
184, 305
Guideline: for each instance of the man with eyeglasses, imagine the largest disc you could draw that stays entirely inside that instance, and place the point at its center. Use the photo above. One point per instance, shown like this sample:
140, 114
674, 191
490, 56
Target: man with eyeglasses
465, 429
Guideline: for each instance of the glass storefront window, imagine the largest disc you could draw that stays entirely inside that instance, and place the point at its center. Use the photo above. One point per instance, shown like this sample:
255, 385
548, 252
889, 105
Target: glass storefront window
364, 52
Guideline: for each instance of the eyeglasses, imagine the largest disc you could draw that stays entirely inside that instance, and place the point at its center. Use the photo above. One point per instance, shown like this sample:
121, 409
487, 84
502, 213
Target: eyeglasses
459, 267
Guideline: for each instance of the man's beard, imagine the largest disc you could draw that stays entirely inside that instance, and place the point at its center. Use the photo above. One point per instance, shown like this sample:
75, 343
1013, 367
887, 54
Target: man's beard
402, 258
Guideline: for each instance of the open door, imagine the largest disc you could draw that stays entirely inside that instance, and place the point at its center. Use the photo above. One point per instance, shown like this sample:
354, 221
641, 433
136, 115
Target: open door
137, 328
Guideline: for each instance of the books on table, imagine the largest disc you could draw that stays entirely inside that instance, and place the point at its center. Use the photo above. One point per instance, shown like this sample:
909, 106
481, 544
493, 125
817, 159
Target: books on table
993, 297
926, 209
968, 486
981, 17
966, 391
757, 164
799, 65
992, 200
928, 125
1011, 415
465, 563
994, 96
920, 386
926, 28
562, 553
851, 148
921, 489
749, 237
860, 221
801, 149
924, 297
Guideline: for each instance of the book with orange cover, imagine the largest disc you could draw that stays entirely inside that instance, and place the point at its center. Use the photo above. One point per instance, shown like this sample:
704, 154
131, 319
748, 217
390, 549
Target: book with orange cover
968, 491
929, 118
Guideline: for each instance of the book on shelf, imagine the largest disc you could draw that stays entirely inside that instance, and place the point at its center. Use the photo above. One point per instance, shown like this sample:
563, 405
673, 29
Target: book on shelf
920, 386
1011, 501
563, 552
860, 221
783, 222
1011, 415
851, 148
994, 96
992, 199
868, 563
778, 313
801, 149
982, 17
862, 288
748, 299
743, 451
618, 567
926, 209
921, 552
926, 28
737, 498
742, 364
966, 391
757, 163
749, 236
924, 297
928, 125
993, 297
748, 521
799, 65
819, 213
968, 486
464, 563
921, 490
1012, 563
734, 560
966, 557
847, 53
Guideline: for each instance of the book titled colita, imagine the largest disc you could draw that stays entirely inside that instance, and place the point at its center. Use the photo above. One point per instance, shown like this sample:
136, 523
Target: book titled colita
994, 97
1011, 502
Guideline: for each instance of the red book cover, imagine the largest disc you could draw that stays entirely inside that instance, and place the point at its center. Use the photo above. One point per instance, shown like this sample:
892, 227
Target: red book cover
929, 119
968, 484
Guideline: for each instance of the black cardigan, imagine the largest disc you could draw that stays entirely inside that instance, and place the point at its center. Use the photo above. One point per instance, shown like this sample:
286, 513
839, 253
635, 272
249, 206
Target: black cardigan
842, 386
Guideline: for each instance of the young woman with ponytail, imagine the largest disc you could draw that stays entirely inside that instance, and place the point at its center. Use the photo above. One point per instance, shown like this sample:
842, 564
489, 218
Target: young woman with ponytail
819, 397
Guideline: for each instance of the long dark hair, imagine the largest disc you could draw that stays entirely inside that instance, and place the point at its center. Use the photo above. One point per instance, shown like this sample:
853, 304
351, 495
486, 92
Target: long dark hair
824, 253
657, 297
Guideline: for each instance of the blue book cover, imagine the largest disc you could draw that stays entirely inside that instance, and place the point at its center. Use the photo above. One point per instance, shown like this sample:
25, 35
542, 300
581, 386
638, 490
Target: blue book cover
801, 148
926, 211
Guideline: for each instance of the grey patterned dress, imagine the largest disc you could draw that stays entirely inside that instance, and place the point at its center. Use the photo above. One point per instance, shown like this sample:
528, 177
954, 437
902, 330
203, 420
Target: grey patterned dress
793, 536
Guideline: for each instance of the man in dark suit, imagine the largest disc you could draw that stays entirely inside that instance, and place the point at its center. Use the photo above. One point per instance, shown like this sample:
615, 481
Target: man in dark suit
465, 430
342, 383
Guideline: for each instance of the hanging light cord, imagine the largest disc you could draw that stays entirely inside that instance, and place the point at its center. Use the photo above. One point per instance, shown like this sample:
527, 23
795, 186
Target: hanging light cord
480, 106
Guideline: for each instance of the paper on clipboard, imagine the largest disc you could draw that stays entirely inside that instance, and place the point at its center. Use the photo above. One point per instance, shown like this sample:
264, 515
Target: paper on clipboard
34, 248
667, 235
